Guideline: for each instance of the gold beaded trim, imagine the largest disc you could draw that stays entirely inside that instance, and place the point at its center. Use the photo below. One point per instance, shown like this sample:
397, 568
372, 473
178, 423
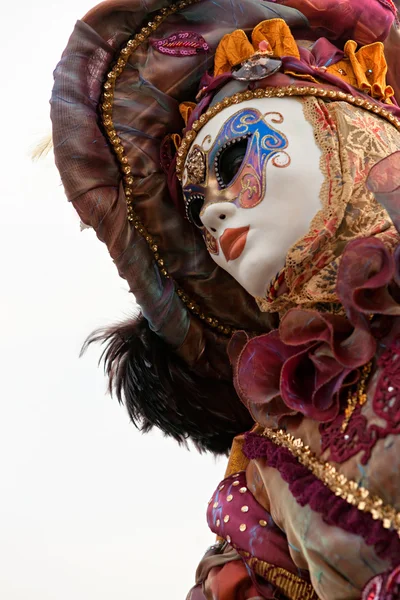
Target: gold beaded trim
278, 92
358, 397
348, 490
106, 107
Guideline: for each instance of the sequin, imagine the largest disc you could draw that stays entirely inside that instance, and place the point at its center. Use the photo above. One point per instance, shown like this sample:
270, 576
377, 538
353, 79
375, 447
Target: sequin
263, 523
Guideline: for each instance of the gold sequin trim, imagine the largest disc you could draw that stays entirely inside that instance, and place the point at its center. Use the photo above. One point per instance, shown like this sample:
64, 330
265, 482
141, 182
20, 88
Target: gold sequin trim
291, 585
278, 92
358, 397
106, 108
348, 490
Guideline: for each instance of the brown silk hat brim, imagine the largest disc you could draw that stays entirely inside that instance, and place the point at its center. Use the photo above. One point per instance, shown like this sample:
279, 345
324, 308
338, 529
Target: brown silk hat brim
145, 109
147, 97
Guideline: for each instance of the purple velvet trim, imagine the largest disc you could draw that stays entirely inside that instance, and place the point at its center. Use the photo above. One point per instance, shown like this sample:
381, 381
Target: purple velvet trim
308, 490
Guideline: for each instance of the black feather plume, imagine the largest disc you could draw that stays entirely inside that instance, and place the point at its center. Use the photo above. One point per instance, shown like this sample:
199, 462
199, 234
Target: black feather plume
160, 390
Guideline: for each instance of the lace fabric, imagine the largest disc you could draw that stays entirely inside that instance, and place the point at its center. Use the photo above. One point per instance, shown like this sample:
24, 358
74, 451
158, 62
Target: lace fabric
351, 141
362, 435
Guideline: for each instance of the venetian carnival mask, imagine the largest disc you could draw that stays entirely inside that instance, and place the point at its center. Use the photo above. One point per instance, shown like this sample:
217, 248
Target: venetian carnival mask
251, 184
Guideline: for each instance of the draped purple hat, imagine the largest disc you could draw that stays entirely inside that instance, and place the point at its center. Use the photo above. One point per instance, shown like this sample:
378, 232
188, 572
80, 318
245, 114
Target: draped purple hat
127, 67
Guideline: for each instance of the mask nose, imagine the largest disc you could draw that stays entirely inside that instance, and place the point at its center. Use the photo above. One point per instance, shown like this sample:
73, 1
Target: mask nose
215, 217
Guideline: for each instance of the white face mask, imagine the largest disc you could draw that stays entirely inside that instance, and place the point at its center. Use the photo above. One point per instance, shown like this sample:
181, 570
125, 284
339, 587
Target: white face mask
252, 184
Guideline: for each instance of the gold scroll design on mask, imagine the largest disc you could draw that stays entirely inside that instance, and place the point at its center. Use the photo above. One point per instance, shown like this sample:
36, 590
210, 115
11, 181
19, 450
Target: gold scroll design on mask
365, 69
196, 165
347, 489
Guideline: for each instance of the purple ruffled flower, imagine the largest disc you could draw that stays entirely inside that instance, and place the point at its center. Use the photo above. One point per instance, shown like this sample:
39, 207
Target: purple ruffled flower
302, 366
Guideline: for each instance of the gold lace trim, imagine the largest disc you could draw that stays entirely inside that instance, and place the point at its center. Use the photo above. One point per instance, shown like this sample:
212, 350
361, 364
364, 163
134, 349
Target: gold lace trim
348, 490
291, 585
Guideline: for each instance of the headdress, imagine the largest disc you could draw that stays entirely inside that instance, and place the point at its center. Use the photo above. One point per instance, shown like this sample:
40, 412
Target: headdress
116, 116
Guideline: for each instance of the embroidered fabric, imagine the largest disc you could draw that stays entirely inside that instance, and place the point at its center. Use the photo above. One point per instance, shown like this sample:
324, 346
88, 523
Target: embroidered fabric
361, 436
352, 141
308, 490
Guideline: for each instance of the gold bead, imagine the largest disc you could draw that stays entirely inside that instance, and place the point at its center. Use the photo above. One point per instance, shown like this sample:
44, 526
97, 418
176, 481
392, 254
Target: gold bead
243, 527
229, 498
263, 523
245, 509
218, 523
236, 483
215, 505
226, 518
243, 490
387, 523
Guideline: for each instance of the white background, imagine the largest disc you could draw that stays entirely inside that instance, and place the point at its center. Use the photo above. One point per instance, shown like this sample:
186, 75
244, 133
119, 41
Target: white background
90, 509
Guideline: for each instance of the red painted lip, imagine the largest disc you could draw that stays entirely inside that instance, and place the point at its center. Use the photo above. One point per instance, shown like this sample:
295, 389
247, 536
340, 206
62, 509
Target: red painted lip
233, 241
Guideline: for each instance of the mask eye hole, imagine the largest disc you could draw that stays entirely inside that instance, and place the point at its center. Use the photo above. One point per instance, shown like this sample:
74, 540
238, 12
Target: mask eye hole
193, 209
229, 160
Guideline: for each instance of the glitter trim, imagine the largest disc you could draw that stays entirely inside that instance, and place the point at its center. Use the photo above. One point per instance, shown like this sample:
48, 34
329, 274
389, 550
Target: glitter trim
348, 490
